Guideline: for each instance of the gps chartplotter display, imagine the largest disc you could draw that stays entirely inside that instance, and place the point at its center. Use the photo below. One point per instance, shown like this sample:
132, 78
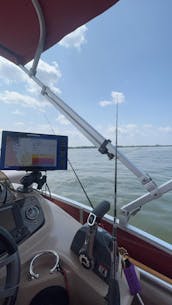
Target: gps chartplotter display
30, 151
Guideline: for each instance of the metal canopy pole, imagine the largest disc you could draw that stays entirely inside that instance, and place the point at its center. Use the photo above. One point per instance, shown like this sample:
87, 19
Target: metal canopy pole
91, 134
134, 206
42, 36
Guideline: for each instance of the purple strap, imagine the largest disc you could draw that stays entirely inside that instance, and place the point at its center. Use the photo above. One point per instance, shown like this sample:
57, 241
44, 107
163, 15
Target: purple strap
132, 279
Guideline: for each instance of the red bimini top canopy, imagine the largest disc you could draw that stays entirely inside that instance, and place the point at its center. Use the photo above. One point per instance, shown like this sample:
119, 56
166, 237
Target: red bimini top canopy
20, 29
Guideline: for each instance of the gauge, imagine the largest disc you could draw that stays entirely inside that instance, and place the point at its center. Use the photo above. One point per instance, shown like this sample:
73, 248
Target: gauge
31, 207
32, 212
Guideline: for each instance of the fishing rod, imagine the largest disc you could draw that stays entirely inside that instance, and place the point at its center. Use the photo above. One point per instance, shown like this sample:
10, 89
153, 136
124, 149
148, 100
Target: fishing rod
129, 269
113, 295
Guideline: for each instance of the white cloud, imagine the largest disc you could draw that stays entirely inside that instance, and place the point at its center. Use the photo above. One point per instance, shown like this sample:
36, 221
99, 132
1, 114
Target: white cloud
19, 124
11, 73
148, 126
15, 98
105, 103
75, 39
128, 129
17, 112
133, 134
48, 74
117, 98
166, 129
62, 120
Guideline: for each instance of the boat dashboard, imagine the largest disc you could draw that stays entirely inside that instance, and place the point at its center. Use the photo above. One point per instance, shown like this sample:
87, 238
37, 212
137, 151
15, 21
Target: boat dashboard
21, 218
47, 241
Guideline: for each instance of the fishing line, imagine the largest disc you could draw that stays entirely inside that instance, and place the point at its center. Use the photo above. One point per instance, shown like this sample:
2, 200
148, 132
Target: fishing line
81, 184
76, 175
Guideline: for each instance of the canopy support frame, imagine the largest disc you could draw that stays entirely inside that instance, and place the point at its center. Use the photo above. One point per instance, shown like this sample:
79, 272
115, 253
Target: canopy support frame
42, 36
154, 192
91, 134
104, 145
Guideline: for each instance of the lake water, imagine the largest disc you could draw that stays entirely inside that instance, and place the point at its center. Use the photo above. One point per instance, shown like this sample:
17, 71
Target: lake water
97, 175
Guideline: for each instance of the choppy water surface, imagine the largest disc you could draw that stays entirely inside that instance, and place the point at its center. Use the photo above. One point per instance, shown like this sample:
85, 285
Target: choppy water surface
97, 175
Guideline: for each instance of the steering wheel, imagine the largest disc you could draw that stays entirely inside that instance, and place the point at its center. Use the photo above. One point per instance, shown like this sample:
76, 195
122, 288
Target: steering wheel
11, 261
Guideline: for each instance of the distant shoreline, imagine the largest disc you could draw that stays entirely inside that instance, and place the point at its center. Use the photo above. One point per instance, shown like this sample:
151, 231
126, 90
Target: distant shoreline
121, 146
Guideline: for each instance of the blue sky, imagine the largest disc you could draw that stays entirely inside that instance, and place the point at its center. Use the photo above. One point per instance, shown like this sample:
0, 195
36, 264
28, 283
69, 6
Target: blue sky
127, 50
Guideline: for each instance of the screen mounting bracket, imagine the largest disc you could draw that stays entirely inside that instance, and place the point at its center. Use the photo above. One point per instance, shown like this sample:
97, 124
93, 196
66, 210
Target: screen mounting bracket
29, 179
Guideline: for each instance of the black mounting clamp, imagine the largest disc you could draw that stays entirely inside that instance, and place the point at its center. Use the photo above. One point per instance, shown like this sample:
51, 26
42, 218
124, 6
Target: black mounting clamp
103, 149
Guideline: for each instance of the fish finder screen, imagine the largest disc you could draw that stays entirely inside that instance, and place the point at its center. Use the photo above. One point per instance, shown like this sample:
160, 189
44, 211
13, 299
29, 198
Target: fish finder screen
29, 151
